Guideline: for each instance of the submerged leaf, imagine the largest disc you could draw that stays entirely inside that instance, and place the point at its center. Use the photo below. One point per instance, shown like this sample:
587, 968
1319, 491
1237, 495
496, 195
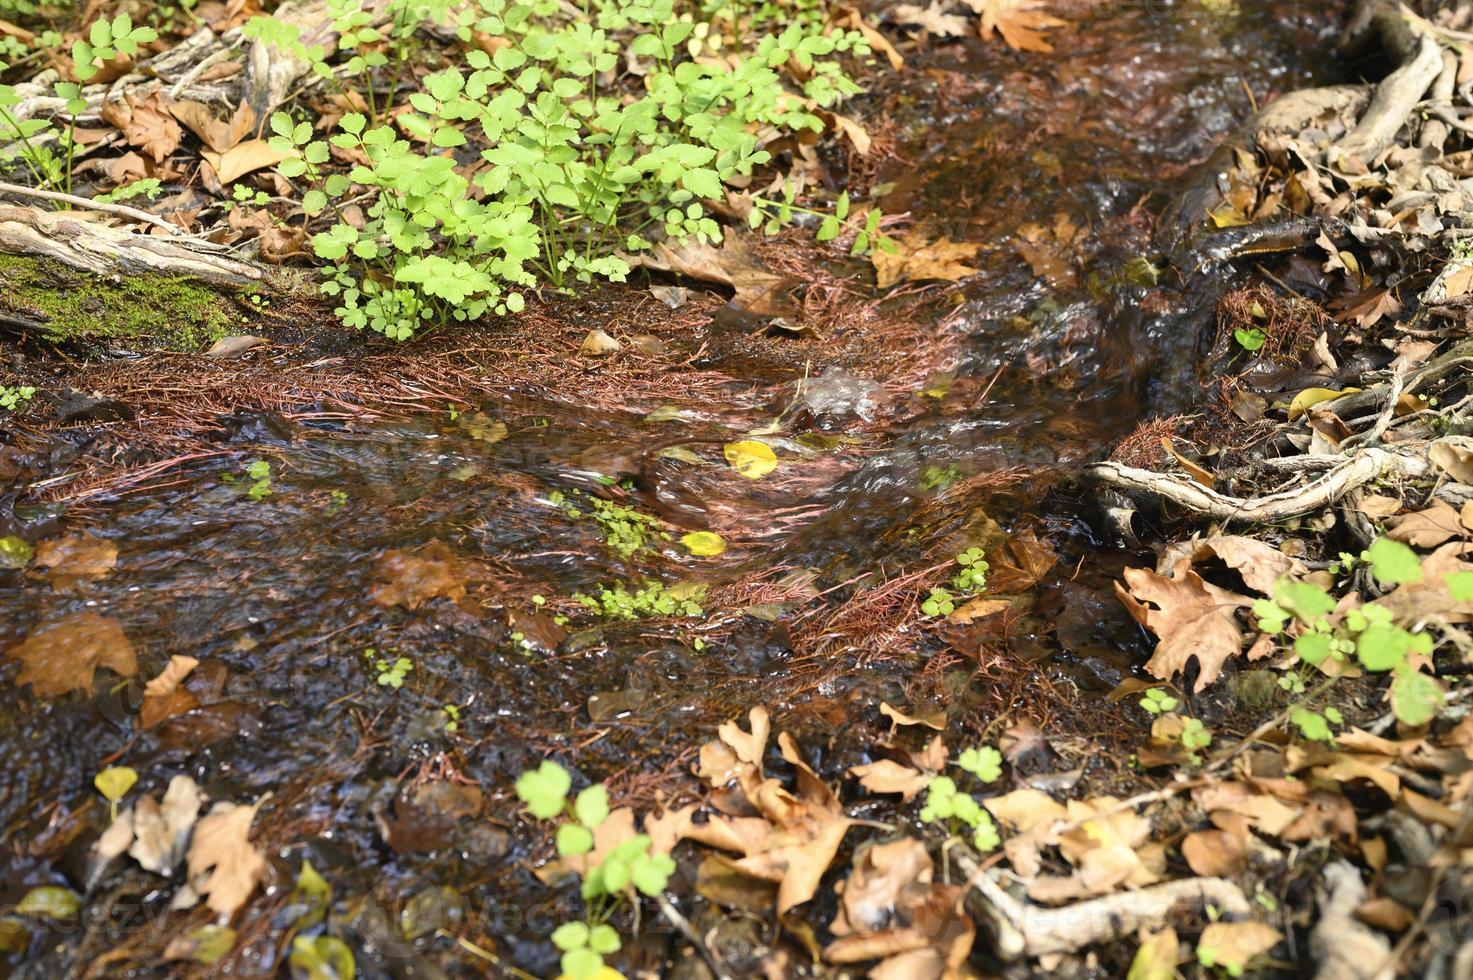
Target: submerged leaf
64, 655
751, 459
703, 544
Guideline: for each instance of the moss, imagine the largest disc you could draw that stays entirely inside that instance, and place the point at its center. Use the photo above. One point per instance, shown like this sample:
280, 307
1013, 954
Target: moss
159, 312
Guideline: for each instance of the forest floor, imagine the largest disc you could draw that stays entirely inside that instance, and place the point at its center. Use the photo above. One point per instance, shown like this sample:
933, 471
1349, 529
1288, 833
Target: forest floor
1076, 585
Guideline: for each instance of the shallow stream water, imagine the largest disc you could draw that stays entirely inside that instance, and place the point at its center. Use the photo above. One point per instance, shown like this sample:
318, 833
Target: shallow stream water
1048, 356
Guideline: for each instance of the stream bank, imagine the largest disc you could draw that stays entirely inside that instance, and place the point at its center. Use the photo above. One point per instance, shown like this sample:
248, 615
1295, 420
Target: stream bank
433, 504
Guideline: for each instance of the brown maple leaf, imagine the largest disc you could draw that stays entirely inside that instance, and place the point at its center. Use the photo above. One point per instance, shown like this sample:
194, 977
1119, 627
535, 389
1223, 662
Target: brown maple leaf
222, 863
413, 578
1191, 619
1020, 23
64, 655
917, 260
77, 559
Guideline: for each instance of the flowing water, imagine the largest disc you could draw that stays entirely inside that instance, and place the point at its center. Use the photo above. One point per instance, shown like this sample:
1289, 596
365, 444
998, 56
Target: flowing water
915, 427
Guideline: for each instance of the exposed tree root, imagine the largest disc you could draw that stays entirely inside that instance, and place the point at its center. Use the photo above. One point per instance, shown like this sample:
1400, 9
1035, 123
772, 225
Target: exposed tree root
1029, 931
1411, 40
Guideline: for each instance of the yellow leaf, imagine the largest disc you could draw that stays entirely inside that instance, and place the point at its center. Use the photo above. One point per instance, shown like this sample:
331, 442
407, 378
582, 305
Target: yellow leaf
244, 158
1310, 397
703, 544
751, 459
114, 783
917, 260
1228, 216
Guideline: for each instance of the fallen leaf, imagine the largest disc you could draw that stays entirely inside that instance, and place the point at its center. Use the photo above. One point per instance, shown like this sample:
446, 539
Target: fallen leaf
165, 696
870, 897
412, 578
147, 125
1310, 397
1259, 564
223, 866
160, 831
1428, 528
703, 544
1201, 476
1191, 619
935, 718
758, 289
1213, 853
1231, 945
234, 346
887, 776
1454, 456
244, 158
751, 459
1377, 506
217, 134
77, 559
1020, 23
917, 260
1156, 957
1019, 563
978, 608
598, 343
64, 655
932, 18
1030, 814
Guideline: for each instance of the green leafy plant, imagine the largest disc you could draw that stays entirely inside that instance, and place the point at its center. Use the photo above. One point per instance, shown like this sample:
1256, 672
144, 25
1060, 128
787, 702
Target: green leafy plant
973, 576
391, 673
1305, 616
628, 870
1157, 701
938, 602
259, 473
1251, 339
12, 397
954, 810
652, 599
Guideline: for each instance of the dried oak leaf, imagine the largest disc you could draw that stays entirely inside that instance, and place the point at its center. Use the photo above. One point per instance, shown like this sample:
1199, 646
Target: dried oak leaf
917, 260
64, 655
244, 158
1191, 619
1020, 563
412, 578
76, 559
160, 830
1214, 853
223, 865
1020, 23
1231, 945
147, 125
931, 938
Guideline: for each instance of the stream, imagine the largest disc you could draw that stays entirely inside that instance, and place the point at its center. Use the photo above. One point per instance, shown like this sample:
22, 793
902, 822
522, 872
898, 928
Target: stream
902, 434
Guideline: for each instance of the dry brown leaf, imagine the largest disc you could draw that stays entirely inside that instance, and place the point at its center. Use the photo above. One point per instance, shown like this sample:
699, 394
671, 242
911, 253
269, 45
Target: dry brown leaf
223, 866
64, 655
1157, 956
1109, 847
917, 260
932, 18
1428, 528
930, 938
1454, 456
1030, 814
1260, 565
165, 696
1199, 475
758, 289
77, 559
1377, 506
1191, 619
217, 134
1019, 563
978, 608
886, 776
869, 898
597, 343
1231, 945
935, 718
147, 125
1020, 23
412, 578
160, 831
244, 158
1213, 853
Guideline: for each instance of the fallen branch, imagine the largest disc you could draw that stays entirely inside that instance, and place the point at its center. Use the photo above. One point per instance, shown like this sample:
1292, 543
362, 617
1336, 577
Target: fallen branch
1354, 472
1030, 931
1408, 38
104, 250
122, 210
